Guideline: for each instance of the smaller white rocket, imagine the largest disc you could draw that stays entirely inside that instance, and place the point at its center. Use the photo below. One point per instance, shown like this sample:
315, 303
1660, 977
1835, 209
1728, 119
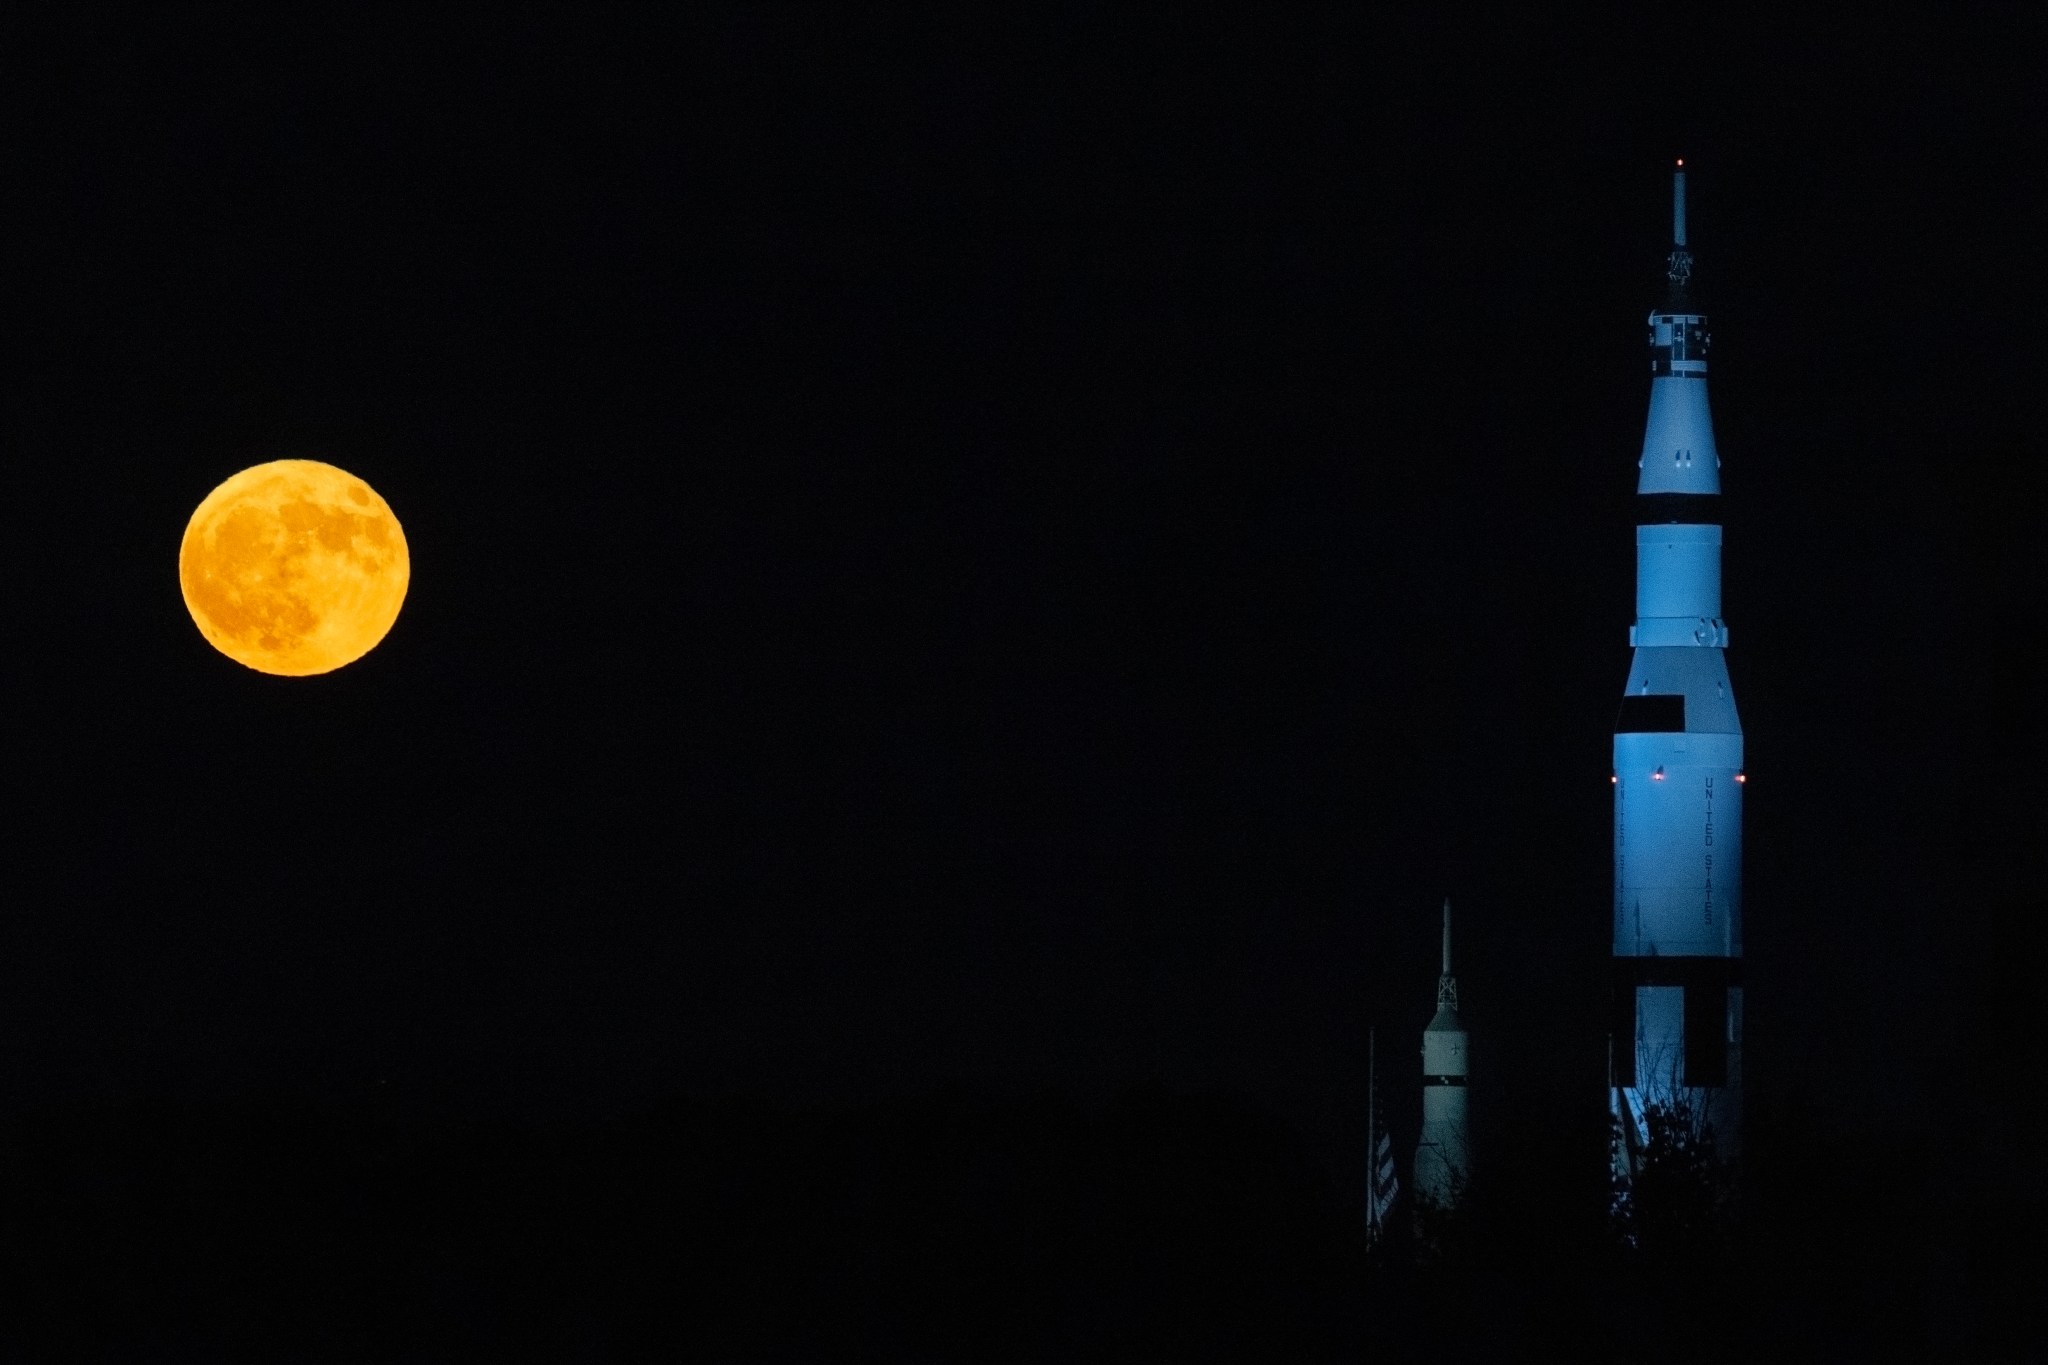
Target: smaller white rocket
1443, 1157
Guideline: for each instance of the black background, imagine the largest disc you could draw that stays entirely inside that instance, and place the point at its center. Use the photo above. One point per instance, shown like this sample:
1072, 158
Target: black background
1013, 558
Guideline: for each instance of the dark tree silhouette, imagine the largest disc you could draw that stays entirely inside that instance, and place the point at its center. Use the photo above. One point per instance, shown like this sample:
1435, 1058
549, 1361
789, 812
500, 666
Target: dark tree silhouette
1678, 1206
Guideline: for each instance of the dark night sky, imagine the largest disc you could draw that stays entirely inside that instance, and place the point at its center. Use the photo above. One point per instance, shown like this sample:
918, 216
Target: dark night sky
1025, 552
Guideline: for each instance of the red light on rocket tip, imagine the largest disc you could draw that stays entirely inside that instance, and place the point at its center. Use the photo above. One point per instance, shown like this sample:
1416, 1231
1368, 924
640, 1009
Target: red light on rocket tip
1681, 163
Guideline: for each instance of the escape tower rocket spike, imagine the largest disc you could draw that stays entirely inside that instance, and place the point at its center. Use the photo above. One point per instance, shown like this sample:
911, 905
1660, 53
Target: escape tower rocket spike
1447, 939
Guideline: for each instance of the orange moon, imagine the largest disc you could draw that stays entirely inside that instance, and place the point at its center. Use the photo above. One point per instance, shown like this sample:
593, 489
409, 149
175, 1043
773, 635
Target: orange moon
294, 568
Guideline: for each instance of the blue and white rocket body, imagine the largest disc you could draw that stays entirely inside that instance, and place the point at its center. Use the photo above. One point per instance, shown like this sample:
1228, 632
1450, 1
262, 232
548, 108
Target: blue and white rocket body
1677, 1039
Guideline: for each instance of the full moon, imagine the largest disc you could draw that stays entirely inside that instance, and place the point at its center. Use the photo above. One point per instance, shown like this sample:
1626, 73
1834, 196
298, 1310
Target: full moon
294, 568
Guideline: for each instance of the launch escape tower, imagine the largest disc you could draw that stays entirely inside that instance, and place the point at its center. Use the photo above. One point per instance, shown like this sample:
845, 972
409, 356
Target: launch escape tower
1677, 985
1443, 1156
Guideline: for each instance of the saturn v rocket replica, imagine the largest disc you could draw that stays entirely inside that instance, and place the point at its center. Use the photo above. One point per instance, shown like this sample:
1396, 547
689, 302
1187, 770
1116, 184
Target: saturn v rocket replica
1677, 1028
1443, 1156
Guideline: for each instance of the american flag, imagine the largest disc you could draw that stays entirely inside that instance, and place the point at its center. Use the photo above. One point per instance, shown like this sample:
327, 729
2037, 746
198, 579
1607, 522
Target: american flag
1384, 1184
